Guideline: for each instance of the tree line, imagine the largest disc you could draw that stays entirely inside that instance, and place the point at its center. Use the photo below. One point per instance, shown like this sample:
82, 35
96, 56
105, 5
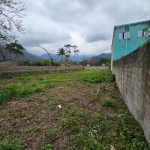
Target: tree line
64, 53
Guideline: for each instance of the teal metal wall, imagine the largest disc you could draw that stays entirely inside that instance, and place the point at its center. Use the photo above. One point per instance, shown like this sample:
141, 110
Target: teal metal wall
123, 47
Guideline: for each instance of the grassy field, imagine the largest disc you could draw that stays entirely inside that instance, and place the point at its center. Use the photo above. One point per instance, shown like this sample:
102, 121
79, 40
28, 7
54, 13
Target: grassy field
80, 110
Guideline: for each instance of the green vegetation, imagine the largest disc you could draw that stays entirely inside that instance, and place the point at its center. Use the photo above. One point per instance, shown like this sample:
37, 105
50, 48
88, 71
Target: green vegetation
101, 76
13, 90
94, 96
44, 62
147, 33
47, 147
60, 111
11, 145
106, 61
109, 102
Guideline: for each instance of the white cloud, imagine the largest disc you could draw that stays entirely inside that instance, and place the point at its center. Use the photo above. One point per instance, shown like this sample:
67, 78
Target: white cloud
86, 23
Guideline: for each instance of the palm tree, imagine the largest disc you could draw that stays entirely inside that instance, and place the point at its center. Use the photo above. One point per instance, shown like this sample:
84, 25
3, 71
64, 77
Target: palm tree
77, 51
68, 47
61, 52
68, 52
74, 46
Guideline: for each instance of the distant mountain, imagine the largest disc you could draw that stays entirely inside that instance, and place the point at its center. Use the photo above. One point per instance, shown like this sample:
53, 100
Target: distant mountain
29, 56
96, 59
72, 57
46, 56
26, 56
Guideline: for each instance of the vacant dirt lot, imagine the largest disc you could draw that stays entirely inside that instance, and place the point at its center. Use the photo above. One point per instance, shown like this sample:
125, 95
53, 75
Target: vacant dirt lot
81, 110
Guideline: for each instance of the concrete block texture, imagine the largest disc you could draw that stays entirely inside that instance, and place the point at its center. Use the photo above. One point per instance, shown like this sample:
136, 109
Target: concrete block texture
133, 79
6, 70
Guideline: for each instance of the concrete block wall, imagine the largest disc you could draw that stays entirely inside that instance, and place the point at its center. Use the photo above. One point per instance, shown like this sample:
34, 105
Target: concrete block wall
5, 70
96, 67
133, 79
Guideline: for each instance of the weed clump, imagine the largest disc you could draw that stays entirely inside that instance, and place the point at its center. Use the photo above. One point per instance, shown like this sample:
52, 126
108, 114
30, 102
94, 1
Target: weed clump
10, 145
108, 102
94, 96
47, 147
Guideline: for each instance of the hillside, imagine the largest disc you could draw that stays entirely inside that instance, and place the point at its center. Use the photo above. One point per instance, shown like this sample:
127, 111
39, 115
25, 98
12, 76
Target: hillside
29, 56
72, 57
80, 58
26, 56
96, 59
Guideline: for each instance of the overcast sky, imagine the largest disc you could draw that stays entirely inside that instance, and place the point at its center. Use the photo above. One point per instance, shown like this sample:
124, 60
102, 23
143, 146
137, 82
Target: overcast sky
86, 23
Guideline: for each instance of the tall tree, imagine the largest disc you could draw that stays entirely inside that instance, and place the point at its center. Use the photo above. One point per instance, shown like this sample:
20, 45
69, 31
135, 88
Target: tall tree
77, 51
68, 46
52, 60
11, 14
67, 53
3, 52
61, 52
74, 46
12, 50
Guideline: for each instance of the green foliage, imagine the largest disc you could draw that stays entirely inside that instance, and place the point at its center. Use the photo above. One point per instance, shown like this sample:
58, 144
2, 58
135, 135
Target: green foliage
104, 60
109, 102
61, 52
108, 63
94, 96
147, 33
38, 63
15, 48
11, 18
14, 90
90, 128
51, 134
47, 147
54, 100
129, 133
139, 47
74, 63
34, 84
44, 62
26, 63
34, 128
24, 79
10, 145
38, 89
102, 76
69, 122
50, 84
86, 130
57, 64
